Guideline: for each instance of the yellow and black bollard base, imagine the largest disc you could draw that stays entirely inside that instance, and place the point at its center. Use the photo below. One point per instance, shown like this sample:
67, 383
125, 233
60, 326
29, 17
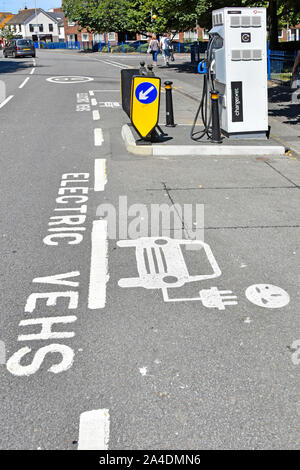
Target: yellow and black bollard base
215, 120
169, 105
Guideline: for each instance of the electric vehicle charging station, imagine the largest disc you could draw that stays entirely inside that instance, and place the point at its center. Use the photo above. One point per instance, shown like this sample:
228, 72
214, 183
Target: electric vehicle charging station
236, 67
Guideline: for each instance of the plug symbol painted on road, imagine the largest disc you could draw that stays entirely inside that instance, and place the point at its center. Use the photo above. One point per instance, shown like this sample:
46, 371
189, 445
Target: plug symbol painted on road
214, 298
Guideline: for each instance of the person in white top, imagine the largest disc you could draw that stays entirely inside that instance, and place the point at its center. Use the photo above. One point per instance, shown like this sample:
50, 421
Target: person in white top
165, 45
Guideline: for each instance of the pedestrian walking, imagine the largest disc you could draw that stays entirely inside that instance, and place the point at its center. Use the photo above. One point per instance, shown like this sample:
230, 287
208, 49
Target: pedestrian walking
165, 44
154, 49
295, 81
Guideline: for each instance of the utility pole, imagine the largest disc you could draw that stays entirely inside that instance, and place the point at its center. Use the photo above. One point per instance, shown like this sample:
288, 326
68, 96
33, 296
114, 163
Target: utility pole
36, 25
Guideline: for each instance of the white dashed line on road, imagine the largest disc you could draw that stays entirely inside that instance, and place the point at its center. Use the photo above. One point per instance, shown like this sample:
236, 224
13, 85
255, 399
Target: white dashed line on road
100, 174
32, 71
94, 430
99, 266
24, 83
94, 102
6, 101
98, 137
96, 115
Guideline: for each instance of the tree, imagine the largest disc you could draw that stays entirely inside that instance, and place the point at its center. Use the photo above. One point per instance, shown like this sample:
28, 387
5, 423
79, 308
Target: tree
135, 15
7, 33
171, 15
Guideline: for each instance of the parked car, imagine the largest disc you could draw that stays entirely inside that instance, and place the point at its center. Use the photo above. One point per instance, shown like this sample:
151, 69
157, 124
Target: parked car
19, 48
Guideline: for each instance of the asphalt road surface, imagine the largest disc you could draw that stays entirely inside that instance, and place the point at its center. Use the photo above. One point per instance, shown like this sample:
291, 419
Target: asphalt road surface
145, 343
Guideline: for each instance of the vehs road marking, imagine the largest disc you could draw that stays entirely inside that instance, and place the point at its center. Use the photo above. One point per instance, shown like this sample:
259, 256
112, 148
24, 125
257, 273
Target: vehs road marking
94, 430
100, 174
96, 115
6, 101
24, 83
98, 137
94, 102
99, 266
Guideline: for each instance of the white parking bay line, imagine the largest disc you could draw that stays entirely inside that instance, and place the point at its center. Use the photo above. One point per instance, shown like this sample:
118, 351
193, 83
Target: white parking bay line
6, 101
98, 137
99, 266
24, 83
94, 430
32, 71
100, 174
96, 115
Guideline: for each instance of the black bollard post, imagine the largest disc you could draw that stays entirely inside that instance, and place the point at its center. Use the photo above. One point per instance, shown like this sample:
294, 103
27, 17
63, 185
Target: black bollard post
216, 131
169, 105
143, 70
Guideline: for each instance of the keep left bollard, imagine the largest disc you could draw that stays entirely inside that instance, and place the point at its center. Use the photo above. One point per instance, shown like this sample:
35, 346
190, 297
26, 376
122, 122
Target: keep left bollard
169, 105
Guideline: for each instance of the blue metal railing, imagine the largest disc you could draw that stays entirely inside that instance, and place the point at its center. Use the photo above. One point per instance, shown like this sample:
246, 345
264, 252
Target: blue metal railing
120, 47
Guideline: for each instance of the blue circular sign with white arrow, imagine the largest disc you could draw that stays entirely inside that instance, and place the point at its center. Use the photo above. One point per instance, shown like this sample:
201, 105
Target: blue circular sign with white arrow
146, 93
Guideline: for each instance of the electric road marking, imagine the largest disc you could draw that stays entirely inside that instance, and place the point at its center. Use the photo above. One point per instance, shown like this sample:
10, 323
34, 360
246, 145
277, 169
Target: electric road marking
99, 266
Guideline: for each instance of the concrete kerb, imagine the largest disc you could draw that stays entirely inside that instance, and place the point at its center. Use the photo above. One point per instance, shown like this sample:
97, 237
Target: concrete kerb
195, 150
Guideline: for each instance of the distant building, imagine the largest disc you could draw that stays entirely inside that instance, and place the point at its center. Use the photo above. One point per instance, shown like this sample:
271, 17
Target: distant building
291, 33
36, 25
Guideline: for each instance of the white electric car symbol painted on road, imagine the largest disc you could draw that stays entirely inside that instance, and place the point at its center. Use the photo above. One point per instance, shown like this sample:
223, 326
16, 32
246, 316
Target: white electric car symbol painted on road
161, 264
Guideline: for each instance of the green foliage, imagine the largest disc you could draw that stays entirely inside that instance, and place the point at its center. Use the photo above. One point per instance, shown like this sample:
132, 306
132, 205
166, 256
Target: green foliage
7, 33
171, 15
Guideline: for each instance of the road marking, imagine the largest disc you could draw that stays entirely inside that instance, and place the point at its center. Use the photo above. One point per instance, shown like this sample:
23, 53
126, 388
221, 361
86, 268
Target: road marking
94, 102
34, 62
105, 91
114, 64
94, 430
96, 115
65, 79
24, 83
32, 71
267, 296
99, 266
100, 174
91, 93
98, 137
6, 101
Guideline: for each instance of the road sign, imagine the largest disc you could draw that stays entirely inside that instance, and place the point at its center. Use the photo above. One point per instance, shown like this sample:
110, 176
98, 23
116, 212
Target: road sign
145, 97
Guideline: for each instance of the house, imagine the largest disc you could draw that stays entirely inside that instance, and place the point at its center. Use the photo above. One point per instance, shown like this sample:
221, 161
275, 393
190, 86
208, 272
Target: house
36, 25
60, 16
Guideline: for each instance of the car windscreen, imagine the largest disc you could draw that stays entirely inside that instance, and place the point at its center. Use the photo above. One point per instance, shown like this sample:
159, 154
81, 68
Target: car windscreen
24, 42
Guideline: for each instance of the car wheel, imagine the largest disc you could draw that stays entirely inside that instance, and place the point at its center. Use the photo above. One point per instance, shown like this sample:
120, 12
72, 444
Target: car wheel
5, 56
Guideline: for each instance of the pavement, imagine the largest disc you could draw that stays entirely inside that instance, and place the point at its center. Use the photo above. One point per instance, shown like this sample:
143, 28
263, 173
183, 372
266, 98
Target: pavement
146, 303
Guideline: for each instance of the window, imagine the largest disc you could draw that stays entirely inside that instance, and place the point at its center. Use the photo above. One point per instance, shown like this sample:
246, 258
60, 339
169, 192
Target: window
111, 36
71, 23
31, 29
191, 35
50, 28
205, 34
176, 37
71, 37
41, 28
280, 34
98, 37
85, 37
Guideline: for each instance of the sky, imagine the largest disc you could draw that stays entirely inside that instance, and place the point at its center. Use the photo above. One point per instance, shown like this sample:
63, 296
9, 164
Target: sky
14, 6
